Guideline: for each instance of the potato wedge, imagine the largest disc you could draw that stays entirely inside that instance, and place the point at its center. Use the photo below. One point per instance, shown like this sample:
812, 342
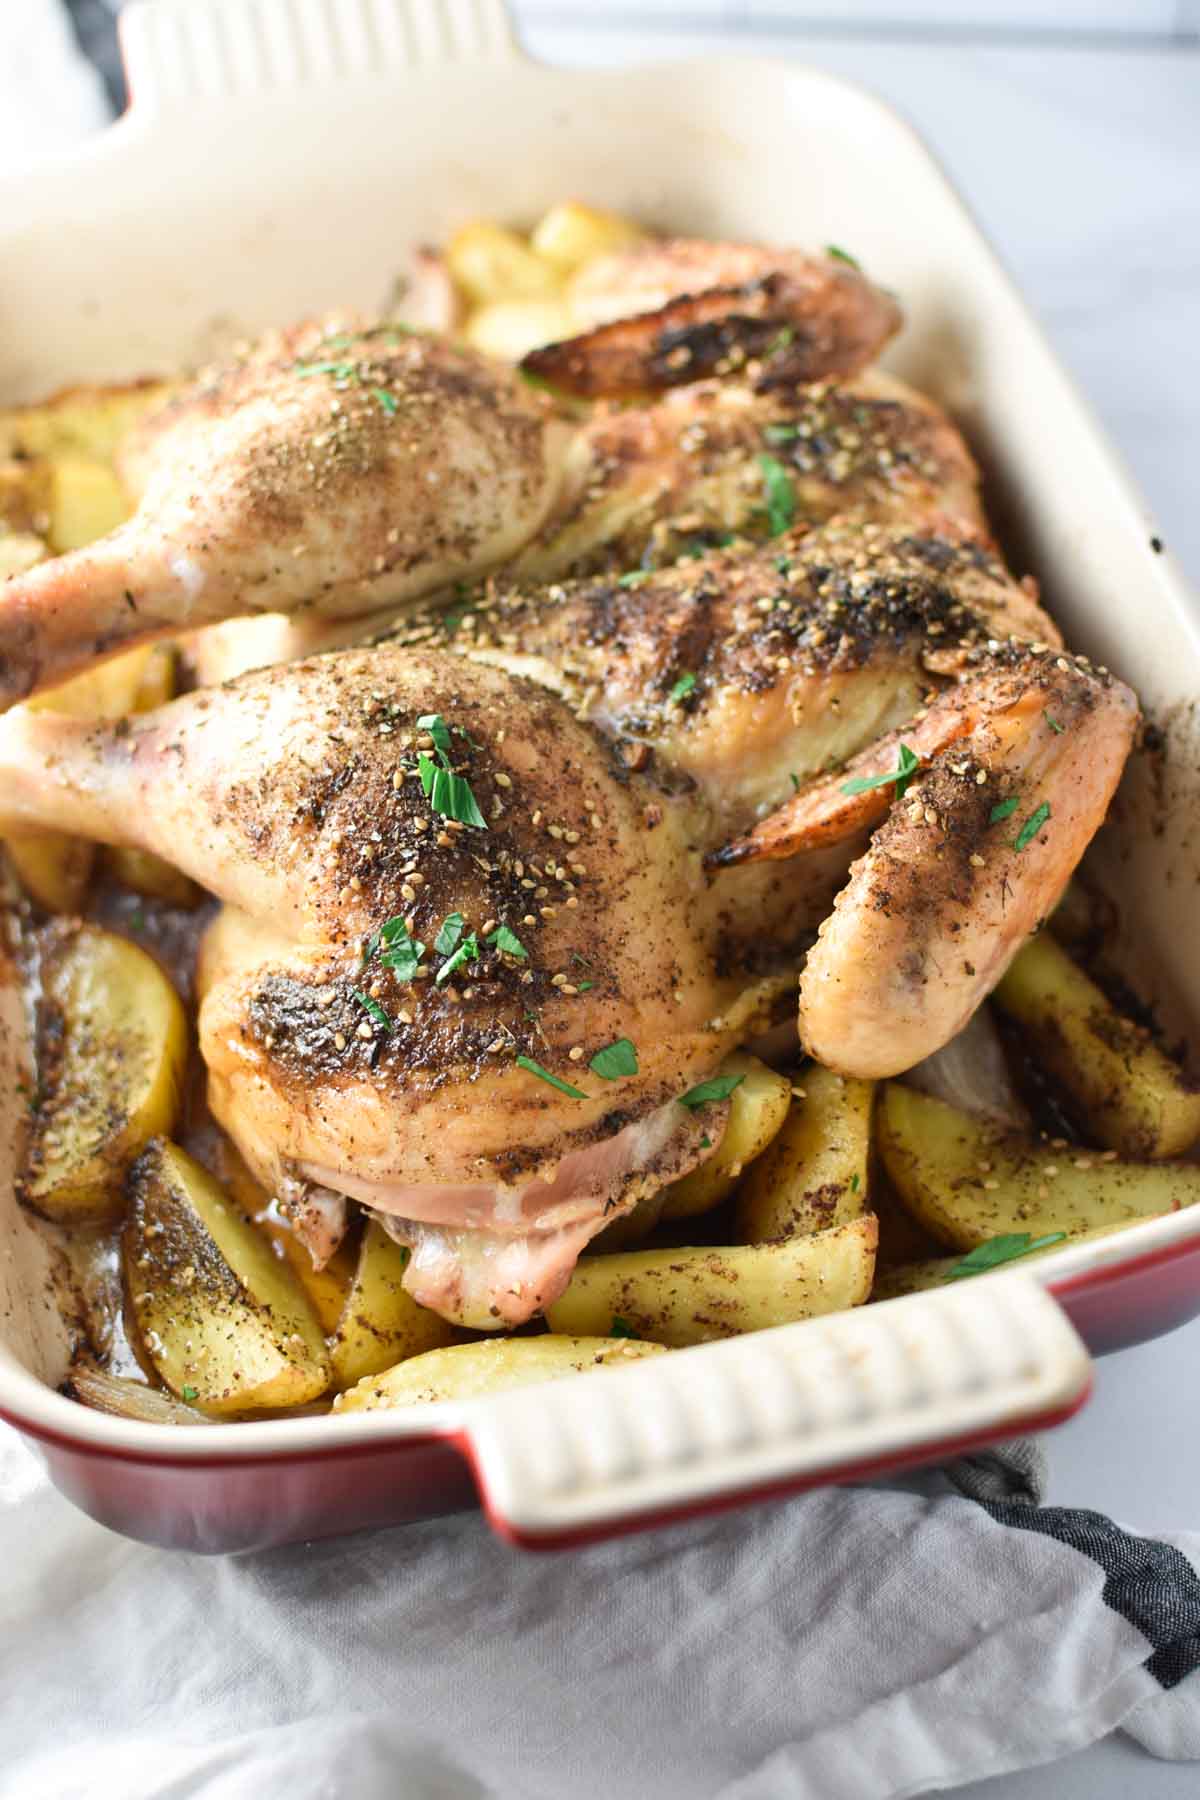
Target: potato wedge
79, 421
86, 502
223, 1320
968, 1182
325, 1288
381, 1323
112, 1045
932, 1271
571, 234
24, 498
758, 1107
148, 874
489, 262
53, 868
508, 329
1129, 1093
814, 1173
682, 1297
465, 1371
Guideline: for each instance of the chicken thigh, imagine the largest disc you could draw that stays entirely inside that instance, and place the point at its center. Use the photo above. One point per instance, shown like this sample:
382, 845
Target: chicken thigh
445, 897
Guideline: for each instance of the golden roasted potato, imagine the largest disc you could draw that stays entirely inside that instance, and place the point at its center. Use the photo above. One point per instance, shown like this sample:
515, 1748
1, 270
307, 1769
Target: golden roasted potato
968, 1181
381, 1323
223, 1320
682, 1297
489, 262
934, 1271
326, 1288
632, 1227
467, 1370
111, 1050
814, 1173
571, 234
508, 329
1130, 1095
79, 421
758, 1107
24, 498
151, 875
86, 502
54, 868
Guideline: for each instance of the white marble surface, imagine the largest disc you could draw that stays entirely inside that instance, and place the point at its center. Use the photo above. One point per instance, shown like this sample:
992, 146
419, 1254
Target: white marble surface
1084, 167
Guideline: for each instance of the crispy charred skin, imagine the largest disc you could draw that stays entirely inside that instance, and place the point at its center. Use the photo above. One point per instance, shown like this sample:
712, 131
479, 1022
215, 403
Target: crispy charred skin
703, 309
745, 672
971, 860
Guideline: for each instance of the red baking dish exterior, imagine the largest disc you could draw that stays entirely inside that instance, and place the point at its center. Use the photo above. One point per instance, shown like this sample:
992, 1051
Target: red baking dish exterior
213, 196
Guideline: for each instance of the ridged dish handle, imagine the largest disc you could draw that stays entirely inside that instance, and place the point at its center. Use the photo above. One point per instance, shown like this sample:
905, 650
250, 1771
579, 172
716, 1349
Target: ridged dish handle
888, 1386
181, 52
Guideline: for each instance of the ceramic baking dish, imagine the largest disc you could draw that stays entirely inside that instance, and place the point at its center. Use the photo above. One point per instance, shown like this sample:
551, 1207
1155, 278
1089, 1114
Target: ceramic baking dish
278, 157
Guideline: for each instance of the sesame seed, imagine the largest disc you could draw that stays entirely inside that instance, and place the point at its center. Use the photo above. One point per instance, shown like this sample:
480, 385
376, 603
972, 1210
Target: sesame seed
489, 925
398, 780
549, 912
502, 780
976, 860
408, 892
558, 981
980, 777
404, 1016
576, 1053
527, 978
364, 1030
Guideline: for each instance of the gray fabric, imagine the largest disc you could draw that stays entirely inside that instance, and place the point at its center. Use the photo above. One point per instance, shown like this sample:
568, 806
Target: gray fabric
1016, 1471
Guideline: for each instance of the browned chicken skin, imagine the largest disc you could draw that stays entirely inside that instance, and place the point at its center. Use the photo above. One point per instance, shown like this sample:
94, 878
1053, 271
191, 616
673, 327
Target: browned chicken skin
296, 796
671, 311
326, 472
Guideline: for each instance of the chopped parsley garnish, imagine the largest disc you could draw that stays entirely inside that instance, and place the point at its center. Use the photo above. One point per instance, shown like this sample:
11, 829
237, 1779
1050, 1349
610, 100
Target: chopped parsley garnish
907, 764
1032, 826
706, 1142
615, 1060
854, 1184
585, 987
446, 792
634, 578
438, 730
683, 687
389, 402
780, 494
1003, 809
999, 1250
449, 794
341, 371
1053, 723
795, 780
781, 340
564, 1087
397, 948
780, 434
447, 938
718, 1088
622, 1328
373, 1009
508, 941
840, 255
467, 951
783, 565
189, 1393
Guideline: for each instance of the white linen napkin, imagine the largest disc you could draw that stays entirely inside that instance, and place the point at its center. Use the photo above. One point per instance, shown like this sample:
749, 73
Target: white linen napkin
853, 1644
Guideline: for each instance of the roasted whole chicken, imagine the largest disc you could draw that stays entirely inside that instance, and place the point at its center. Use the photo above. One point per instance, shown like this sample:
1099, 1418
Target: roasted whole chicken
654, 710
